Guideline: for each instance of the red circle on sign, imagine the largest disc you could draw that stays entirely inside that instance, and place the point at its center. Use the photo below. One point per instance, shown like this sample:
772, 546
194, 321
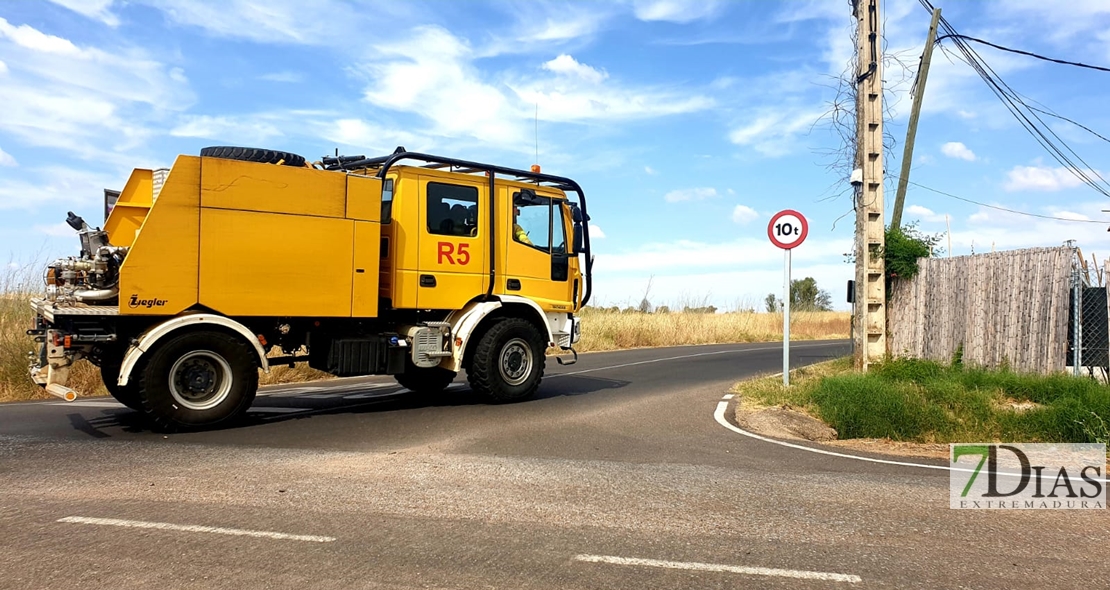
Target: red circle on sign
782, 241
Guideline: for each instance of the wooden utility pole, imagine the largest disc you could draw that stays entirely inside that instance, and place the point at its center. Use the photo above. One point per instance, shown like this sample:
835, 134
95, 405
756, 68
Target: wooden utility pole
870, 328
915, 112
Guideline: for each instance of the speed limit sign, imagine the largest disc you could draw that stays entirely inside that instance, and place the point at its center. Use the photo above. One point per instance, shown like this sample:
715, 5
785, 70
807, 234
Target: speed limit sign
787, 229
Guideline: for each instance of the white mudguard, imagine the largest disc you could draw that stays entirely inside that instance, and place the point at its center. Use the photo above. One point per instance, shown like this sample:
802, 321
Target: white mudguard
153, 335
466, 320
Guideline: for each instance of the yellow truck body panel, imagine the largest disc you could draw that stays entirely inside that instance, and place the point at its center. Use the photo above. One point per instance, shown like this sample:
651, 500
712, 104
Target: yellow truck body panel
159, 276
248, 239
131, 208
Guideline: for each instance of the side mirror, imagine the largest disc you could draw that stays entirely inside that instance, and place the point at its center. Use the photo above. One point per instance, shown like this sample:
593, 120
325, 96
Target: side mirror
579, 219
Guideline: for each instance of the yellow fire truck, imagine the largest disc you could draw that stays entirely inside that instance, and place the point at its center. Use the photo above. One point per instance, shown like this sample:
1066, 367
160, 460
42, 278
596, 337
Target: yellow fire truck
411, 265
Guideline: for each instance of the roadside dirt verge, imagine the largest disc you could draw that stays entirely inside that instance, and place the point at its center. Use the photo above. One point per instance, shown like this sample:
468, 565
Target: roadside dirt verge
787, 423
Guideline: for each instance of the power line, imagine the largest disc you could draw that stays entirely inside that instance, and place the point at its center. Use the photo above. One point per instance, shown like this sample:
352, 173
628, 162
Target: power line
1063, 118
1015, 211
1027, 117
1019, 51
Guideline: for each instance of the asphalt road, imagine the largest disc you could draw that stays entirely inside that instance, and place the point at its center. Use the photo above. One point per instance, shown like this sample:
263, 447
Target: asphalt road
616, 476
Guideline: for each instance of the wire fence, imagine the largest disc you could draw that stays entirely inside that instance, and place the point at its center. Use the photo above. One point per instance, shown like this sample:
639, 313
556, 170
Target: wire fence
1088, 321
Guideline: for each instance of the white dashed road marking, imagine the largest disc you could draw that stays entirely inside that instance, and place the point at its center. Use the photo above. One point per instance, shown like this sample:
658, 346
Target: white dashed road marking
715, 567
192, 528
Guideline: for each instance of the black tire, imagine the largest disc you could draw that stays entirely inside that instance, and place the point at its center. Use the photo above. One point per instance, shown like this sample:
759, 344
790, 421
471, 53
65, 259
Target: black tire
198, 379
508, 362
127, 395
420, 380
253, 155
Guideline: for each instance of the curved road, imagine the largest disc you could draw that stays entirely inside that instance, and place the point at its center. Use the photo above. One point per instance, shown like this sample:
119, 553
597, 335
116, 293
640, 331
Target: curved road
615, 476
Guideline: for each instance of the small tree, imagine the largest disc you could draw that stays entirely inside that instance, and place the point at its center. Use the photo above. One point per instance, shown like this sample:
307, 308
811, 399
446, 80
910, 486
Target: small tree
772, 303
805, 296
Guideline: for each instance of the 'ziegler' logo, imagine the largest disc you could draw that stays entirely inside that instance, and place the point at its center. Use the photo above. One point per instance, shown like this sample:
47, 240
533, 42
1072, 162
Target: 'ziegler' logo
147, 303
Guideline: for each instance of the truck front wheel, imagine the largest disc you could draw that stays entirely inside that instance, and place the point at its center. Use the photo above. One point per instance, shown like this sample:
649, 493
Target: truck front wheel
508, 362
198, 379
424, 380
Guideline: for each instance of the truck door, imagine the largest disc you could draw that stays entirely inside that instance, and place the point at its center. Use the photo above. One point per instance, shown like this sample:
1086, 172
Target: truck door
537, 262
454, 245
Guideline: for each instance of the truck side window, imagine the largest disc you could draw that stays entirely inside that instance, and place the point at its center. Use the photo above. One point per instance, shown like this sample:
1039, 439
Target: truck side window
387, 200
452, 209
559, 240
533, 223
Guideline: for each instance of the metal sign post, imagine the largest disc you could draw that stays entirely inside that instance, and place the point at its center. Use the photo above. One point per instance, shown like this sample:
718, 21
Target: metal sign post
787, 230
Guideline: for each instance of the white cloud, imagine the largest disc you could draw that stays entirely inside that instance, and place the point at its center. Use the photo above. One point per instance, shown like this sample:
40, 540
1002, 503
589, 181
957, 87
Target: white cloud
568, 24
248, 130
431, 73
923, 213
3, 68
596, 233
286, 76
725, 289
85, 100
1010, 231
329, 22
747, 252
650, 170
94, 9
13, 265
955, 149
31, 38
6, 159
54, 187
56, 230
675, 11
369, 136
690, 194
724, 273
566, 65
743, 214
1041, 178
773, 131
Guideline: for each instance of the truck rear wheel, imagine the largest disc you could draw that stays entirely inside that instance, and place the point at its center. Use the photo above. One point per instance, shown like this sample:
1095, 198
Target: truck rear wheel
198, 379
127, 395
424, 380
508, 362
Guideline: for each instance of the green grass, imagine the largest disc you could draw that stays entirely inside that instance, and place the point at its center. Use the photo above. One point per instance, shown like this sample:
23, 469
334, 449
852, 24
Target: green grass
924, 401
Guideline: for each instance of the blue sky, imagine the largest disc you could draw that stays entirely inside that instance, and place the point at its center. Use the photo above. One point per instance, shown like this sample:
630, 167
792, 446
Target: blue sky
688, 123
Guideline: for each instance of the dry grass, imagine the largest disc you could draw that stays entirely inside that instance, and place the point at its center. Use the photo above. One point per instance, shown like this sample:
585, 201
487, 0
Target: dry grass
609, 330
16, 289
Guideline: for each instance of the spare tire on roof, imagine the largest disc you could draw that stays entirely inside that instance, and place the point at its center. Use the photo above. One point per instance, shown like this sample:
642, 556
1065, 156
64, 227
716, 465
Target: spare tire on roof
253, 155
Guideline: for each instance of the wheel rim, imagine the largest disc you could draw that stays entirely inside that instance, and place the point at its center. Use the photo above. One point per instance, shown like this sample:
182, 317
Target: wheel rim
515, 361
200, 380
